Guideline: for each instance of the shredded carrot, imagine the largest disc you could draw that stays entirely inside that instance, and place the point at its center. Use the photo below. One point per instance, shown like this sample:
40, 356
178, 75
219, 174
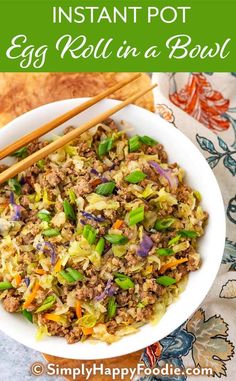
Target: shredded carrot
31, 296
118, 224
53, 317
18, 279
173, 263
57, 267
95, 182
87, 331
40, 271
78, 309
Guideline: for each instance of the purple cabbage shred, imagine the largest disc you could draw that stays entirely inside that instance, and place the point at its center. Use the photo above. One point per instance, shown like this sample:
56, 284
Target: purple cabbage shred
94, 172
167, 173
108, 291
16, 216
145, 246
27, 281
92, 216
48, 247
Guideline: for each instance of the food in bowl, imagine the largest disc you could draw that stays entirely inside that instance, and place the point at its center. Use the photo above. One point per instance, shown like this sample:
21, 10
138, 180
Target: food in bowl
97, 239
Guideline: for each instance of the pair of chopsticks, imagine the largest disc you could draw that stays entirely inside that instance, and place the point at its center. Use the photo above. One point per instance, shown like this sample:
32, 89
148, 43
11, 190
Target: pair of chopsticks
62, 141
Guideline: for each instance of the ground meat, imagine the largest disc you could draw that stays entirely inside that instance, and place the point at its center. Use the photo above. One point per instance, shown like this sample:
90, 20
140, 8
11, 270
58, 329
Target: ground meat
123, 316
28, 257
193, 262
125, 297
28, 238
183, 193
67, 233
30, 180
55, 329
74, 335
33, 229
151, 285
110, 122
32, 215
124, 197
132, 259
156, 237
112, 327
144, 314
129, 233
158, 150
180, 272
65, 291
25, 201
82, 187
84, 293
41, 295
35, 146
26, 189
111, 214
53, 179
11, 303
151, 173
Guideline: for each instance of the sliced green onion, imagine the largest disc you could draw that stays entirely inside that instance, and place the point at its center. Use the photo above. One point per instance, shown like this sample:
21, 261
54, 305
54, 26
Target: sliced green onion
165, 280
75, 274
136, 215
105, 146
106, 188
51, 232
120, 275
134, 143
66, 276
123, 281
69, 210
28, 315
164, 223
44, 215
47, 303
164, 252
71, 275
5, 286
116, 239
111, 307
90, 234
135, 177
72, 196
148, 141
15, 186
188, 233
174, 240
41, 164
100, 246
22, 153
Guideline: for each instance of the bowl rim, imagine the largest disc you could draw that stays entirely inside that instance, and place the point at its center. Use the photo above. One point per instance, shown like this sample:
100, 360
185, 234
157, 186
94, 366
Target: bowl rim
221, 240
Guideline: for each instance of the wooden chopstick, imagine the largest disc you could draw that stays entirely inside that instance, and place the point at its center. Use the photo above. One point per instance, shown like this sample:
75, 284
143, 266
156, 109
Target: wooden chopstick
62, 141
23, 141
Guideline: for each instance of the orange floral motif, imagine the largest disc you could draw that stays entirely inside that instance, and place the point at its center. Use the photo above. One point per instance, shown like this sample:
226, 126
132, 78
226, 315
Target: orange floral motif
153, 353
201, 101
165, 112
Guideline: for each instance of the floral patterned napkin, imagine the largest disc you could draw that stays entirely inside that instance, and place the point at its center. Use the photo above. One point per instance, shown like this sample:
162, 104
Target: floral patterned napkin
208, 338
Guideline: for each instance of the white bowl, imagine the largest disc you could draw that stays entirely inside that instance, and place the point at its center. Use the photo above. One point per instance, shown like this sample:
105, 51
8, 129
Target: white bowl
199, 176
